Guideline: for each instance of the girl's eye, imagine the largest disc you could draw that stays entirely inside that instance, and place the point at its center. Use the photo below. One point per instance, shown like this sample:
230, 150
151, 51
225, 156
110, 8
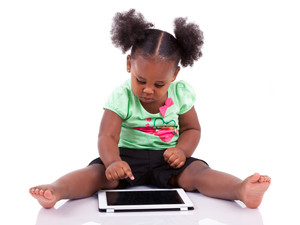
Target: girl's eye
140, 82
159, 85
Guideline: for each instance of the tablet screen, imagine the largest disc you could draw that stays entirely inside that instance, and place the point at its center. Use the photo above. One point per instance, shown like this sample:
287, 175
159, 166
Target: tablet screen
143, 198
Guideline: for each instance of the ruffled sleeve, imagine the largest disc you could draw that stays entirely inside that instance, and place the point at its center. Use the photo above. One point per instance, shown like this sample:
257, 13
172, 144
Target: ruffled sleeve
185, 95
118, 101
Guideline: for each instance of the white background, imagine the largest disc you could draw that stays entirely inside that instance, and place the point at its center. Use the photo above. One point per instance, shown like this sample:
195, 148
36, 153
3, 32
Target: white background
58, 66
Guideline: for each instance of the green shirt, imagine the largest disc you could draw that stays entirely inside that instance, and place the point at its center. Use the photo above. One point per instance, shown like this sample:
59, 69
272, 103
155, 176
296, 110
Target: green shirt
144, 130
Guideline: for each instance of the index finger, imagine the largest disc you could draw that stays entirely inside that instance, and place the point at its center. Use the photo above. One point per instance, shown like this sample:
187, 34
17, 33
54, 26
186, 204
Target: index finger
128, 173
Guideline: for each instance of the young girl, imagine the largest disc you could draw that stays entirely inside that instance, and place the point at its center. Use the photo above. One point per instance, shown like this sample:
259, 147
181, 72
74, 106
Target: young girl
150, 128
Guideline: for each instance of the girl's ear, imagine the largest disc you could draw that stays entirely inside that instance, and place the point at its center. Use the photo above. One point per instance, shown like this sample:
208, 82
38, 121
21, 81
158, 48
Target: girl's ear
176, 73
128, 64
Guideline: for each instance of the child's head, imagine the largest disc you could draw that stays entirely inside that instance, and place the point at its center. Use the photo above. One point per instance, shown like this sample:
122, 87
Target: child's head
131, 30
155, 54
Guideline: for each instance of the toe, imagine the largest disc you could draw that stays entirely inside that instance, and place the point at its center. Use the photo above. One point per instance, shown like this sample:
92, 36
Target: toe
48, 194
41, 192
261, 179
267, 179
254, 178
32, 190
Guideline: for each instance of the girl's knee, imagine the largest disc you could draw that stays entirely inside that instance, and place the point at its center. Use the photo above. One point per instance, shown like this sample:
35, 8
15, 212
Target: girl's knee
100, 177
197, 167
188, 178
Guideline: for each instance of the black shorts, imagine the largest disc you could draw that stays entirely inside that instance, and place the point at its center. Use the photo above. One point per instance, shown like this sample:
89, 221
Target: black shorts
148, 167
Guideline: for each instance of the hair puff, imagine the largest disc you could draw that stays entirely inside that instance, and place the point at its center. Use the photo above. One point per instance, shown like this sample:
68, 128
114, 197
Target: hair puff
190, 40
128, 28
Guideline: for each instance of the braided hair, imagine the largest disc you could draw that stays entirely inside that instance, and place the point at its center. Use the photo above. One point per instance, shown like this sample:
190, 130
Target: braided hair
130, 30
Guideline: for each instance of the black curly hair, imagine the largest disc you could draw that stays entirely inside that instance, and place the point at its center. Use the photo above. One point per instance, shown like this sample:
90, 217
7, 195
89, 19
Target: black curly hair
131, 30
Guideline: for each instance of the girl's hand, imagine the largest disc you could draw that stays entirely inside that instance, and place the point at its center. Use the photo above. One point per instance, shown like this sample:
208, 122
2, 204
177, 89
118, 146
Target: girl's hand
175, 157
118, 170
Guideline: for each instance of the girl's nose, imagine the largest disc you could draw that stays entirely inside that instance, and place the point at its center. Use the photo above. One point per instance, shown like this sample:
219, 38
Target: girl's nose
148, 90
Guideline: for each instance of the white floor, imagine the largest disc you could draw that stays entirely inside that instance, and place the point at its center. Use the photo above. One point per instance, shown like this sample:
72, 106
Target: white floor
208, 211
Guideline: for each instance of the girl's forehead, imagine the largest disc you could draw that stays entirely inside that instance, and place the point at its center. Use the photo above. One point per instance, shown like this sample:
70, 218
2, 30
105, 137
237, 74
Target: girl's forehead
153, 67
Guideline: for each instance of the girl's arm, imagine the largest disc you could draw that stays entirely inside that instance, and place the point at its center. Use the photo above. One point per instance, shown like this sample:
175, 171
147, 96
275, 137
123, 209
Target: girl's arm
189, 137
189, 133
108, 139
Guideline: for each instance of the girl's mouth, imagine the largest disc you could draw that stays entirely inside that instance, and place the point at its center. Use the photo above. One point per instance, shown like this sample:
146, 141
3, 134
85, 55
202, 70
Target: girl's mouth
146, 100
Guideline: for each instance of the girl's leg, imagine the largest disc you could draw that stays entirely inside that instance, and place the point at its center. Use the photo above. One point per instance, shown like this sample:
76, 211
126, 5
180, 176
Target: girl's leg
77, 184
222, 185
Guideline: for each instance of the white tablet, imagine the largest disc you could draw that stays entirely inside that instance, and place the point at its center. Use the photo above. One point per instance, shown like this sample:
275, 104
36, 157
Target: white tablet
143, 200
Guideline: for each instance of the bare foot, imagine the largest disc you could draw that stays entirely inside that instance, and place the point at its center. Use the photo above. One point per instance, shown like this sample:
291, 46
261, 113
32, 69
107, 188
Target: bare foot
253, 189
45, 194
